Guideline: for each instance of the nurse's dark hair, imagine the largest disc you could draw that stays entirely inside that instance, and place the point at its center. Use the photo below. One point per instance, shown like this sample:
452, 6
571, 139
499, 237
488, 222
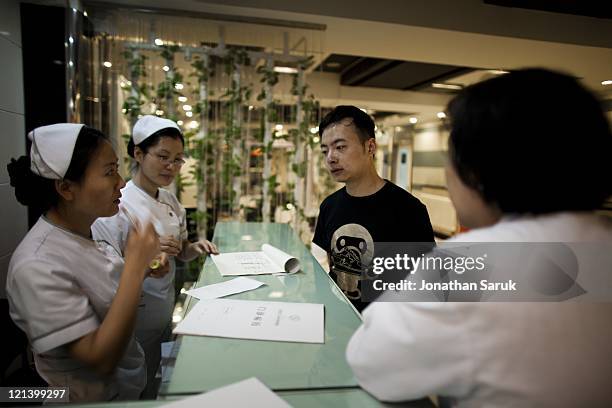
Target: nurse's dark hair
154, 139
363, 123
39, 192
532, 141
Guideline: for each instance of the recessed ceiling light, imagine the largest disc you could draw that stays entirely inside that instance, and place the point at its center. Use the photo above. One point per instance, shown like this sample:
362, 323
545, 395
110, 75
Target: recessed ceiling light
107, 64
606, 82
285, 70
413, 120
158, 41
441, 115
446, 86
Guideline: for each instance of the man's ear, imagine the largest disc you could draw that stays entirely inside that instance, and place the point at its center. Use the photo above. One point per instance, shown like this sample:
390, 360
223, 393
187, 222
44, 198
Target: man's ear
65, 189
372, 146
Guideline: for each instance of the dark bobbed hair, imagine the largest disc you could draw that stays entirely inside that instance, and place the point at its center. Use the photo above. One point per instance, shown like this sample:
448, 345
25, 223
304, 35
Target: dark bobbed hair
39, 192
532, 141
361, 121
152, 140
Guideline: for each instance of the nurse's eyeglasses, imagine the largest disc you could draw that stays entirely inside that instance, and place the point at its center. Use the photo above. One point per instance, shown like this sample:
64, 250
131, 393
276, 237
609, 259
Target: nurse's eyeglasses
165, 160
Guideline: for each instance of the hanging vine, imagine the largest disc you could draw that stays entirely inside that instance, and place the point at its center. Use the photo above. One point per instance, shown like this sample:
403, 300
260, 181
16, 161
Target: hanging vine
269, 78
203, 148
233, 101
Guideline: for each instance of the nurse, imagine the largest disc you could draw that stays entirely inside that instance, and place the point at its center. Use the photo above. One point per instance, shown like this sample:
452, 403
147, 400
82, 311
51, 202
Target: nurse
74, 297
157, 146
528, 162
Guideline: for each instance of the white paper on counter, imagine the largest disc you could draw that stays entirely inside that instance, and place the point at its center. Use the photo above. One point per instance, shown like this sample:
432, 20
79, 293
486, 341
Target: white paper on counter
230, 287
257, 320
269, 260
247, 393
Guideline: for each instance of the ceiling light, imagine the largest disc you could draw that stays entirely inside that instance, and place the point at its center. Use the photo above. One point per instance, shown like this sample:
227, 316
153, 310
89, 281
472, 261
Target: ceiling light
398, 128
186, 107
159, 112
606, 82
497, 71
413, 120
71, 40
285, 70
189, 114
316, 139
179, 122
441, 115
158, 42
182, 99
250, 107
179, 86
446, 86
166, 68
85, 13
193, 124
278, 127
107, 64
314, 130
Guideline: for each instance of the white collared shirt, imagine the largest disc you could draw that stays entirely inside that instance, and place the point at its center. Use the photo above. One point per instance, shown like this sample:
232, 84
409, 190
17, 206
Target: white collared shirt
60, 287
168, 217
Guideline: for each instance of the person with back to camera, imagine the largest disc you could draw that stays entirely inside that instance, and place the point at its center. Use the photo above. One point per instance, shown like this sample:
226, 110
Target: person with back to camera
157, 147
76, 298
529, 162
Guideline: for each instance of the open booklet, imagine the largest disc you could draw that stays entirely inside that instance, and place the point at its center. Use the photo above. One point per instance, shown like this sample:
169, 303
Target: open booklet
269, 260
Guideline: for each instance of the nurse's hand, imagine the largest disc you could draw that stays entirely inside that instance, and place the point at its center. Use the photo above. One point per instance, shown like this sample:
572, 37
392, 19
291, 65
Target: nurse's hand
170, 245
204, 246
163, 268
141, 247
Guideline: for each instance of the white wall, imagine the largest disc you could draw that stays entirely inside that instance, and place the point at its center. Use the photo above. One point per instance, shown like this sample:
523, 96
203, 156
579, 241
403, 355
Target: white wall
13, 216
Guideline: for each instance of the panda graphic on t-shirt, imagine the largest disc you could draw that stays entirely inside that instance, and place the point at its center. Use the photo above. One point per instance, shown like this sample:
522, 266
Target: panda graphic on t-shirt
352, 250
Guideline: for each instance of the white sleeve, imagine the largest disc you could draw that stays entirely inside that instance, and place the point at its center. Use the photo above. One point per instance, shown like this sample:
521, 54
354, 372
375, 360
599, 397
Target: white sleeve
49, 305
183, 217
405, 351
113, 230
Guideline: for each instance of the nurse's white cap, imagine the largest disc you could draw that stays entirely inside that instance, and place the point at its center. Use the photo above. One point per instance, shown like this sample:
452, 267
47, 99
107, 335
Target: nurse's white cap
52, 148
148, 125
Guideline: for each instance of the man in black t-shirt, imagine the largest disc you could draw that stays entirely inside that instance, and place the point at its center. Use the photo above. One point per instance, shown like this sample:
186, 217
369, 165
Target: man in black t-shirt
368, 209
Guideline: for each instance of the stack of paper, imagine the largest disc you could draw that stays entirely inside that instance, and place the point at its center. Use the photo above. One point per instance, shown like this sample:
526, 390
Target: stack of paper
258, 320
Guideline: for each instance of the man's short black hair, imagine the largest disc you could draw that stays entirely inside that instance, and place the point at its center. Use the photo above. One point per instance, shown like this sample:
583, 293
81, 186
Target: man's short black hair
361, 121
532, 141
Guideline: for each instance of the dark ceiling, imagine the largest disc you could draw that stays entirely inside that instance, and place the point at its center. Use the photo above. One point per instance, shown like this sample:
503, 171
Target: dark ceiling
589, 8
390, 74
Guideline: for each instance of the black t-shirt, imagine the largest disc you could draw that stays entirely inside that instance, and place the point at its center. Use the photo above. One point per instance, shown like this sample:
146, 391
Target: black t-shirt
348, 228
